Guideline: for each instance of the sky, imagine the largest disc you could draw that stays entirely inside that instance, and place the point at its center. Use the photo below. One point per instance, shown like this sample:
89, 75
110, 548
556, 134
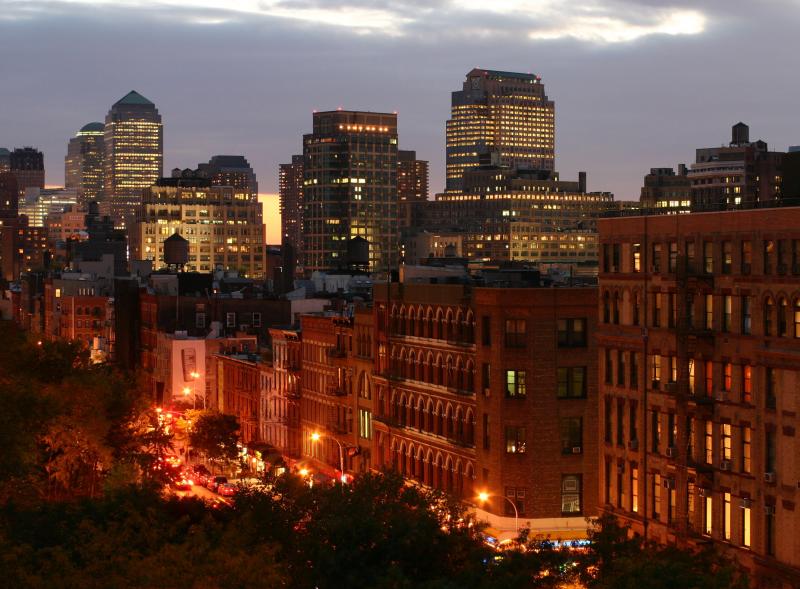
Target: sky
636, 83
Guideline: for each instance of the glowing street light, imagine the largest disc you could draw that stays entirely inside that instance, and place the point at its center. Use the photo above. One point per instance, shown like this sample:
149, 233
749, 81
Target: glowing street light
483, 497
316, 437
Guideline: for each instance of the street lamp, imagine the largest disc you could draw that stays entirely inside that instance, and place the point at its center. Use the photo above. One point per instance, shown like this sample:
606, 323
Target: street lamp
195, 376
483, 497
316, 437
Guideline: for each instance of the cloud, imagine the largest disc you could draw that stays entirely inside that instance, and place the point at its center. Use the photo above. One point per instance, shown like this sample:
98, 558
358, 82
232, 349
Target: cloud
595, 21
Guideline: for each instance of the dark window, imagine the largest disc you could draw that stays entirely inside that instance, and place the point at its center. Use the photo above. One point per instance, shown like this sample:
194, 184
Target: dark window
620, 422
747, 315
708, 257
634, 379
486, 381
607, 422
770, 382
656, 257
516, 331
571, 435
486, 330
727, 257
655, 432
747, 257
571, 382
571, 333
633, 430
516, 495
608, 369
621, 368
485, 431
673, 257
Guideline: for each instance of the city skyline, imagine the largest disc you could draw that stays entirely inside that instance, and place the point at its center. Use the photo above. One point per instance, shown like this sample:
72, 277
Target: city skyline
585, 58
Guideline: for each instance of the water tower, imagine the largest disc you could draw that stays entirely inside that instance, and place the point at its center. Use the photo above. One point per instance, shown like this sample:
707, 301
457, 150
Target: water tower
176, 252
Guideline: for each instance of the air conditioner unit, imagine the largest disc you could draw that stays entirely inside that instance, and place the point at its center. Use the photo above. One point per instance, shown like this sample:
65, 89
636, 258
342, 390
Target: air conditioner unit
671, 452
724, 464
634, 445
669, 483
746, 503
769, 510
769, 477
576, 450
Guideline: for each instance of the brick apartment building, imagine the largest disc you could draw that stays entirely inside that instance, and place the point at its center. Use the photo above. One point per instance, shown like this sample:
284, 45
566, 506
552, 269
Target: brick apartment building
699, 349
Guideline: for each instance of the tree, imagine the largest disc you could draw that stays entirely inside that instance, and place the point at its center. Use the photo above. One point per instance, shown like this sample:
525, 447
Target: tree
215, 434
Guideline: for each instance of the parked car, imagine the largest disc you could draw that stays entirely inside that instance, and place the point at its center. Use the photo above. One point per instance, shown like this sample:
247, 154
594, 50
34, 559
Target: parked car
227, 489
215, 482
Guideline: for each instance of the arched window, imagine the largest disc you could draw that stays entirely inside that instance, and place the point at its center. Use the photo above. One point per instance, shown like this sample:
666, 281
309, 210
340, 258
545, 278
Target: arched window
783, 325
769, 313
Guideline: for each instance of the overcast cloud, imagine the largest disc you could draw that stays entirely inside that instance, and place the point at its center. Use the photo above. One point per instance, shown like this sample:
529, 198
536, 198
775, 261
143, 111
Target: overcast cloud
637, 84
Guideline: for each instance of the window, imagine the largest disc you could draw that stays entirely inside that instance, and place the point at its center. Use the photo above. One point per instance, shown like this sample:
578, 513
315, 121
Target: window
637, 308
571, 435
620, 485
657, 309
486, 330
727, 313
797, 318
655, 370
747, 316
486, 442
747, 449
691, 376
672, 317
516, 330
607, 421
770, 452
365, 424
709, 317
571, 494
200, 320
747, 383
656, 480
690, 256
609, 367
770, 382
673, 257
727, 376
633, 430
656, 251
726, 516
672, 431
769, 532
708, 373
747, 257
572, 333
708, 257
634, 379
620, 422
230, 319
708, 512
637, 257
486, 378
708, 446
782, 319
516, 495
572, 382
673, 369
725, 445
727, 257
655, 432
256, 319
515, 384
634, 488
672, 500
746, 537
621, 368
607, 481
769, 312
515, 439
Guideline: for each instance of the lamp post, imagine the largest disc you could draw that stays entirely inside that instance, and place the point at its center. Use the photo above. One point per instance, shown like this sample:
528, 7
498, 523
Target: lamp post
193, 391
316, 437
483, 497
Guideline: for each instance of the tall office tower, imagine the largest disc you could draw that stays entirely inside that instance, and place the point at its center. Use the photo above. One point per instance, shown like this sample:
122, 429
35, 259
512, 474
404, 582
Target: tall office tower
199, 211
290, 193
350, 189
134, 153
499, 118
412, 185
83, 165
27, 165
5, 160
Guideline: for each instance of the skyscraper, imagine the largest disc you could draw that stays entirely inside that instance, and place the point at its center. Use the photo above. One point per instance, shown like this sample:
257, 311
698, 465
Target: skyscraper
350, 188
499, 118
27, 165
290, 193
9, 196
412, 185
83, 165
134, 146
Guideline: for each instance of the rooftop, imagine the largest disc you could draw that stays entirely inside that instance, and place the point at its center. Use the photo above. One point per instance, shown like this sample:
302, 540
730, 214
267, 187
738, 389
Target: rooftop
92, 128
133, 97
